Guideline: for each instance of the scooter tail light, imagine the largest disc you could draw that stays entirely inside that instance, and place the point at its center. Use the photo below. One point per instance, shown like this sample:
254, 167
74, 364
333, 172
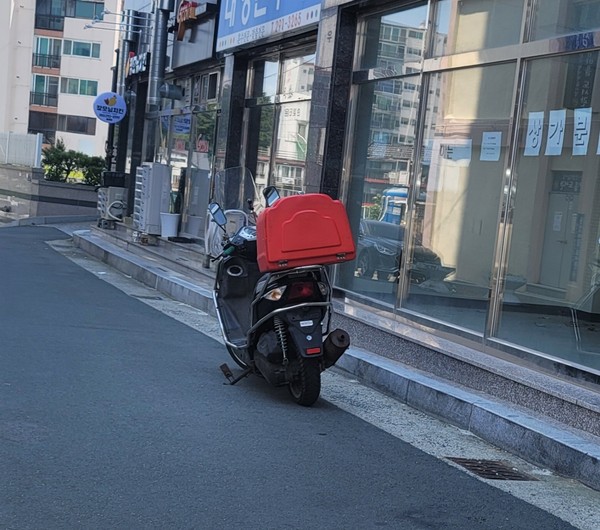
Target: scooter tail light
301, 290
275, 294
313, 351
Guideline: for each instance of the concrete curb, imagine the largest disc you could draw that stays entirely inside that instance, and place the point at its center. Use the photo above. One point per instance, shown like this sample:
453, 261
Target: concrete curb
174, 285
536, 439
51, 219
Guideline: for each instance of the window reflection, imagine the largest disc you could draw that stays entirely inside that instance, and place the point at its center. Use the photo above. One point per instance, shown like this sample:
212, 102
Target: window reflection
279, 111
395, 42
264, 118
472, 25
265, 77
203, 140
553, 284
456, 211
553, 18
383, 151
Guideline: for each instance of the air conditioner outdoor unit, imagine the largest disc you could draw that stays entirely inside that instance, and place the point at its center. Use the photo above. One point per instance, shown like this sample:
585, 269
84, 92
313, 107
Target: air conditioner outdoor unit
152, 195
112, 205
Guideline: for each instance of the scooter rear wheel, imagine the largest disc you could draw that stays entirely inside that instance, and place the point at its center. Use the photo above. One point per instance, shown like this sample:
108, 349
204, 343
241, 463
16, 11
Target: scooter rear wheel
305, 387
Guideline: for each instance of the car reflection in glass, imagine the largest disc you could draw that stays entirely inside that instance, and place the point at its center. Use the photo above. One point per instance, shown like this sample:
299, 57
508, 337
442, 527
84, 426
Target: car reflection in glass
379, 252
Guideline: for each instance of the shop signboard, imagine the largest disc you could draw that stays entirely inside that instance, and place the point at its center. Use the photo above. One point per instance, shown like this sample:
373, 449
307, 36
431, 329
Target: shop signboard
194, 26
243, 22
110, 107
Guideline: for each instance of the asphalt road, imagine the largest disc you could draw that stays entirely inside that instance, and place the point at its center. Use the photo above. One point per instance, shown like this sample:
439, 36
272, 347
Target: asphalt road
114, 415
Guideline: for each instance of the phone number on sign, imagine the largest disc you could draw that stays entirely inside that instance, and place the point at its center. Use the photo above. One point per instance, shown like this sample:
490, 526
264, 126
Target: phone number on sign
286, 23
251, 34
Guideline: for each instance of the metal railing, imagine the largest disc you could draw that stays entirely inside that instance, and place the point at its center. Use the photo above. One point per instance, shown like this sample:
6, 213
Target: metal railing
53, 22
44, 99
48, 135
43, 60
21, 149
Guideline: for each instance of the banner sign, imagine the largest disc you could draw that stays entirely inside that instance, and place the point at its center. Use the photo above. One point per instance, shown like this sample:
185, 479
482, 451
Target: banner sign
110, 107
245, 21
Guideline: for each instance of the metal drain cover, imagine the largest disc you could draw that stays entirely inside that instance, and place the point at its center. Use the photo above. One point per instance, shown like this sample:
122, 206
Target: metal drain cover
491, 469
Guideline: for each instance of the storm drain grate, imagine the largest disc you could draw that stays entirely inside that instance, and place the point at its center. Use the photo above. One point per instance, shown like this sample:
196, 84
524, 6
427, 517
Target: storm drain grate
491, 469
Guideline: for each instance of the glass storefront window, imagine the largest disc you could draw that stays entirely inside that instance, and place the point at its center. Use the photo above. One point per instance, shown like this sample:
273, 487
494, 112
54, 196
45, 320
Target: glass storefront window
451, 256
203, 140
265, 77
553, 18
472, 25
384, 139
264, 118
395, 42
473, 183
279, 110
181, 126
552, 293
290, 147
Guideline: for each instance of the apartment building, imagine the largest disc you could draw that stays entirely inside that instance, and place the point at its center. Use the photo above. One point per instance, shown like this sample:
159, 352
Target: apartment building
56, 57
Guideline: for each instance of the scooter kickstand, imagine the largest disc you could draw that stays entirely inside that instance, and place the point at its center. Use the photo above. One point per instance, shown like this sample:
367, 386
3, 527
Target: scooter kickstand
229, 374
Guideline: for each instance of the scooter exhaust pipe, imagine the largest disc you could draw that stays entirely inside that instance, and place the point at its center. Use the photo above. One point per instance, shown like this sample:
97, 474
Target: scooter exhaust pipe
336, 343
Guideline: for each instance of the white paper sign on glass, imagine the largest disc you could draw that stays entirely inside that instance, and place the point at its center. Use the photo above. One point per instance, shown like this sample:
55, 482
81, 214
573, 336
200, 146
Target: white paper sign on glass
491, 144
533, 141
458, 151
582, 123
556, 132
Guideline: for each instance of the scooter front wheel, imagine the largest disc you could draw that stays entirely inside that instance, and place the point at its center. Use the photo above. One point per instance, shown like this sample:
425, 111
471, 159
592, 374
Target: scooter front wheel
305, 385
236, 356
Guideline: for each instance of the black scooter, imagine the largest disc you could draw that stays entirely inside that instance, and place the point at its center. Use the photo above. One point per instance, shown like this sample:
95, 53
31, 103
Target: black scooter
275, 324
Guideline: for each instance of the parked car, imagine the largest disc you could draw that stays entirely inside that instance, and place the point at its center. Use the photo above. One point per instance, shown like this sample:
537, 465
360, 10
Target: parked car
380, 247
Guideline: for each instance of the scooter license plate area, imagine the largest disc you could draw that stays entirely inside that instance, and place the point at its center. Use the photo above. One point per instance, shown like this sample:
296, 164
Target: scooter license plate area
305, 330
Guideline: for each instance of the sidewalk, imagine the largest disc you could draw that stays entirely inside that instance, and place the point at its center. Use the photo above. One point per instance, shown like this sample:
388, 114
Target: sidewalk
547, 421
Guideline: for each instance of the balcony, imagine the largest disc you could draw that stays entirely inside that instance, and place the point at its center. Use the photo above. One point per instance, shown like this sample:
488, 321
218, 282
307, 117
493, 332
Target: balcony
52, 22
43, 99
42, 60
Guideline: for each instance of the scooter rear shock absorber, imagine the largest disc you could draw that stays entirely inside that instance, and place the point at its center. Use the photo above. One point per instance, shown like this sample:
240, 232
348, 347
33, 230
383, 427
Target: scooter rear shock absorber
282, 337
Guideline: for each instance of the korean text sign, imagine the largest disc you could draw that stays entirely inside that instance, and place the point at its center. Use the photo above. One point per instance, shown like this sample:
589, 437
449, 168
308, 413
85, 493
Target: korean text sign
245, 21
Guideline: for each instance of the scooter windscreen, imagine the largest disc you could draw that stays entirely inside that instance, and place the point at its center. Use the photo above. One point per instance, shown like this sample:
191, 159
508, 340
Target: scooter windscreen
235, 191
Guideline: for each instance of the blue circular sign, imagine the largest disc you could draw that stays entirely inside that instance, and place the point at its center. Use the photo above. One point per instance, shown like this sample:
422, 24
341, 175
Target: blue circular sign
110, 107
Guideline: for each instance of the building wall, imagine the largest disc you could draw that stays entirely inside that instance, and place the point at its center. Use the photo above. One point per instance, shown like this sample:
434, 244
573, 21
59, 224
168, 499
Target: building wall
20, 40
25, 194
16, 38
500, 240
441, 111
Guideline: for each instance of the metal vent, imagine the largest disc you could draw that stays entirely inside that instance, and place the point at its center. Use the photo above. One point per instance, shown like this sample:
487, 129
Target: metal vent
491, 469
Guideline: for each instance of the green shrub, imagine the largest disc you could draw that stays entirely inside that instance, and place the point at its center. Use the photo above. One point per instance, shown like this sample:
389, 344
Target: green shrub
60, 164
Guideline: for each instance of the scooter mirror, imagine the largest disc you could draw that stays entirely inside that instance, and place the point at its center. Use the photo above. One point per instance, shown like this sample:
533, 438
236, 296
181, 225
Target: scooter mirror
271, 195
217, 214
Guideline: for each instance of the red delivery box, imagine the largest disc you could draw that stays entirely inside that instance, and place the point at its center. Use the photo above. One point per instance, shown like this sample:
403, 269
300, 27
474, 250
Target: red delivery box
311, 229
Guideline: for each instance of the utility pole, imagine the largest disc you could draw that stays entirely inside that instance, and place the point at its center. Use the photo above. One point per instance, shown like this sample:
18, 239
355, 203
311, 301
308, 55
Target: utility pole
162, 11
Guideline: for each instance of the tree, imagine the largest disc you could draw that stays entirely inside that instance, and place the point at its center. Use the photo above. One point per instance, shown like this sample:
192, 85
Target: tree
60, 164
92, 167
56, 162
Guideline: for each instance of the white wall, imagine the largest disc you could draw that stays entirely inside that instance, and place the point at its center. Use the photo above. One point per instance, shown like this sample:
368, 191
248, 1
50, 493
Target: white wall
17, 37
16, 42
89, 68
